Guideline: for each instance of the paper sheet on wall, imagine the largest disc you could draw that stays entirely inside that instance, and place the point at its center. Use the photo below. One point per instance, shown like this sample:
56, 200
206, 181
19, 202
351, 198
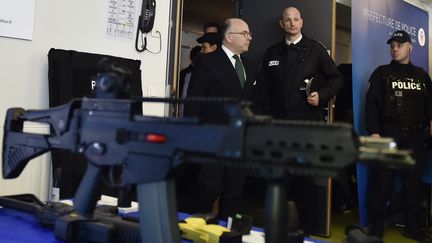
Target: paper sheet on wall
121, 18
17, 18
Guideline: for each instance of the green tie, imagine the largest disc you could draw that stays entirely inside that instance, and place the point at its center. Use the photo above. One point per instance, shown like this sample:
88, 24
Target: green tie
239, 69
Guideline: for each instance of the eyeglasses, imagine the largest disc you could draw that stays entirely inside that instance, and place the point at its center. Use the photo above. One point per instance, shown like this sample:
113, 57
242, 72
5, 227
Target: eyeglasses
246, 34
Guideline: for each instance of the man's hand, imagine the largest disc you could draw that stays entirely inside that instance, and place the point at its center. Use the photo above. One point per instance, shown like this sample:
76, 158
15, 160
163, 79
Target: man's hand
313, 99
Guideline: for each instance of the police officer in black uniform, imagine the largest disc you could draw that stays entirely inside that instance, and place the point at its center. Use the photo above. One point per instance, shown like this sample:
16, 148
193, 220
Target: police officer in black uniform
285, 91
286, 69
398, 105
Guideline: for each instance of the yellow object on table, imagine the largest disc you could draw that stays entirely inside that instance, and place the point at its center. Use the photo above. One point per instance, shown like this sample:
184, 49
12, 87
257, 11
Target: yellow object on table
197, 230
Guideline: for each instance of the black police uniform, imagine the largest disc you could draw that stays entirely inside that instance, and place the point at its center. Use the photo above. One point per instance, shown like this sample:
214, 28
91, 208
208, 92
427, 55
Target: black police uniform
280, 92
398, 105
280, 83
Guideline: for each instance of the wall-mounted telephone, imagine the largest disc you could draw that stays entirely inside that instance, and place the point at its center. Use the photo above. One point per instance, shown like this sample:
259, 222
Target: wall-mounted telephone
146, 19
145, 22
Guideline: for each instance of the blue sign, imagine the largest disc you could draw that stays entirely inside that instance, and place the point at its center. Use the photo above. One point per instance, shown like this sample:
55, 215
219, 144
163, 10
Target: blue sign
372, 24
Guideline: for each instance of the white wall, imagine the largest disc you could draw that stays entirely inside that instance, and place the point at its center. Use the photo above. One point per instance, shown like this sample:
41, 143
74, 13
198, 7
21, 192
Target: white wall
74, 25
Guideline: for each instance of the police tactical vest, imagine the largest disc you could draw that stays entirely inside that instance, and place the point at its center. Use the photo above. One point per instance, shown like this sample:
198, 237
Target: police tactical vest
405, 93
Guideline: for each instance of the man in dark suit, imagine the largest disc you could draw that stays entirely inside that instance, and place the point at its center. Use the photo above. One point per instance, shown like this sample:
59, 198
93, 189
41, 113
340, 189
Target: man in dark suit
221, 73
183, 73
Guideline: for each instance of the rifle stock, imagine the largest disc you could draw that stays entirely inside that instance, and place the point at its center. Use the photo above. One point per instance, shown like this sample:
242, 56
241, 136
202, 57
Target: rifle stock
18, 147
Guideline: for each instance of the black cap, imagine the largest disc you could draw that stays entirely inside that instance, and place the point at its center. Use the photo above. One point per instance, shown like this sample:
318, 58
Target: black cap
211, 38
400, 36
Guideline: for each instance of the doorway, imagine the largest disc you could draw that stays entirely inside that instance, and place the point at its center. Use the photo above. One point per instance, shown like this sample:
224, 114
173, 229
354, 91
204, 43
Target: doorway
195, 14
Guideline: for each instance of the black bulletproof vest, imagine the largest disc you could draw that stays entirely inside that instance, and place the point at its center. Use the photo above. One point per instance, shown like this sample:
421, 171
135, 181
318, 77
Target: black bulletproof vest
405, 94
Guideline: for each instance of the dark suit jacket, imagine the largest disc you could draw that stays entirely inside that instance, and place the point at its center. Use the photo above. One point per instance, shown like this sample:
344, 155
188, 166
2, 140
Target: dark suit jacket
214, 76
183, 77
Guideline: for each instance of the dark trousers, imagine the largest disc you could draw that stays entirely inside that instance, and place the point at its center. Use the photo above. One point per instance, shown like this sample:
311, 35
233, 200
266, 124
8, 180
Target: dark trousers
220, 181
381, 183
301, 191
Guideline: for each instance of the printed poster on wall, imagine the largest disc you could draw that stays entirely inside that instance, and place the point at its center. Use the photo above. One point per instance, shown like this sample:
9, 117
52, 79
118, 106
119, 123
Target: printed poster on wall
17, 18
121, 18
372, 24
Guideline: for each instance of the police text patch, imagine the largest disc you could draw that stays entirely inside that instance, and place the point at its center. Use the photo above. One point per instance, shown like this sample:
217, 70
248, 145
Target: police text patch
405, 85
273, 63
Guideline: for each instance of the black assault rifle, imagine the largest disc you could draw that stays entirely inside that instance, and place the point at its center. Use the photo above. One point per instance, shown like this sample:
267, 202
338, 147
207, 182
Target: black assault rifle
123, 147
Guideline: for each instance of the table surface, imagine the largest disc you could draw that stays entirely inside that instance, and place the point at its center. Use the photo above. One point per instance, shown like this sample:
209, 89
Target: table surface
19, 227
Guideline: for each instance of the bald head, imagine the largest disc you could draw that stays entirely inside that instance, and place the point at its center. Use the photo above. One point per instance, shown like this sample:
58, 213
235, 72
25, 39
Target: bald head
290, 11
236, 35
232, 23
291, 22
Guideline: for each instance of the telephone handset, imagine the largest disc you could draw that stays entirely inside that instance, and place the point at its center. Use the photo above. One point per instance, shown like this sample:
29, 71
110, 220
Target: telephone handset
146, 19
145, 22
